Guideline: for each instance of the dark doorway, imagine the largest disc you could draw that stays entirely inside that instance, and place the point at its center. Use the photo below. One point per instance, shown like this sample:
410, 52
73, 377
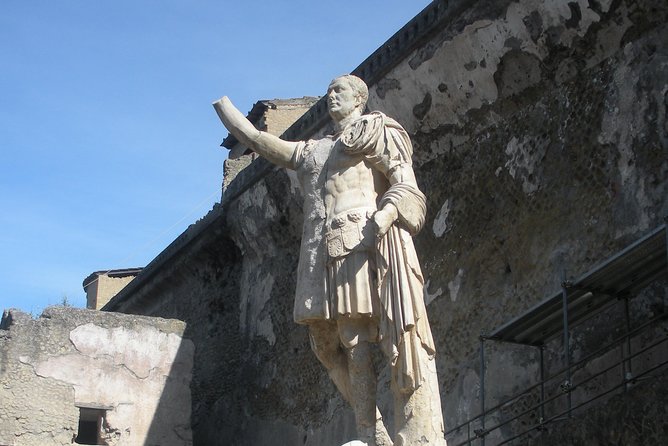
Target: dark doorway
90, 424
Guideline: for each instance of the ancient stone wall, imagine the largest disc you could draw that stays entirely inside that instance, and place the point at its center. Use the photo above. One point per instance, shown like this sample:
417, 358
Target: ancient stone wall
133, 371
107, 287
540, 138
540, 134
540, 141
197, 280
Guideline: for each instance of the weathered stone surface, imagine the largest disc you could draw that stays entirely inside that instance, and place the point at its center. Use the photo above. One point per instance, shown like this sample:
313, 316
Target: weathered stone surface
528, 173
136, 368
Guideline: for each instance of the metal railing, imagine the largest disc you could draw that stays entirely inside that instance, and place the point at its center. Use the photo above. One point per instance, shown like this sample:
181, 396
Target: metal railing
564, 388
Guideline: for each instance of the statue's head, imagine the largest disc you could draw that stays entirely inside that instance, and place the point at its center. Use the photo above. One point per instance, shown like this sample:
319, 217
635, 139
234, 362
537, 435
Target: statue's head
346, 95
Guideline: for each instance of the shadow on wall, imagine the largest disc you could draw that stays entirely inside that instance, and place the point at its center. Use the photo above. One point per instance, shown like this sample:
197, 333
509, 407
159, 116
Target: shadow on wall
171, 419
155, 413
201, 288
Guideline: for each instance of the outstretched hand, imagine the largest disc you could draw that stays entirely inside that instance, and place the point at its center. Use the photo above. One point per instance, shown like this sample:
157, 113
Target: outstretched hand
233, 119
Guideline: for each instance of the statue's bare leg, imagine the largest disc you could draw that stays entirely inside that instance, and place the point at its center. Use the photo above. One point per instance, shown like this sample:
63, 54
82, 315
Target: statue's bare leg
363, 387
356, 335
326, 344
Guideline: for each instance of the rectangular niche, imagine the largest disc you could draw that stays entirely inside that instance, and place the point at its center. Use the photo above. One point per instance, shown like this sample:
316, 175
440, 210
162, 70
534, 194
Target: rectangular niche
91, 420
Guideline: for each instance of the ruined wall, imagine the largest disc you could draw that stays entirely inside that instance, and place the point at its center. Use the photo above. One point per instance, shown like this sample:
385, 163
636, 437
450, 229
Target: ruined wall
540, 139
631, 418
540, 133
196, 279
135, 368
101, 286
282, 113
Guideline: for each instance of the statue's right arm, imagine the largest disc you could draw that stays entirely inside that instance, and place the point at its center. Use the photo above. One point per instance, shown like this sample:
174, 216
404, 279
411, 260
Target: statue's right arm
269, 146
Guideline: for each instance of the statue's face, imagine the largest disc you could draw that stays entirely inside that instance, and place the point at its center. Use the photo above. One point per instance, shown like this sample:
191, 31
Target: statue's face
342, 99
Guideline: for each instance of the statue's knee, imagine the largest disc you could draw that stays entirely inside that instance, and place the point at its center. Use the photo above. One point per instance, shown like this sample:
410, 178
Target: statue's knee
353, 331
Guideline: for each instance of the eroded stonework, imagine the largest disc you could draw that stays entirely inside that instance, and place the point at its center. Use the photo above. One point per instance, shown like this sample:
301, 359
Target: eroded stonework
136, 370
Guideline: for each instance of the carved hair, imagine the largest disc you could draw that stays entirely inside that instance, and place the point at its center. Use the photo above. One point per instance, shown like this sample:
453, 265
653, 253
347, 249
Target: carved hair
358, 86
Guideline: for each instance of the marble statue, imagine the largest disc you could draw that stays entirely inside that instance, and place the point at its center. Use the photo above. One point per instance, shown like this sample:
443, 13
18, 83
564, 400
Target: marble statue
358, 280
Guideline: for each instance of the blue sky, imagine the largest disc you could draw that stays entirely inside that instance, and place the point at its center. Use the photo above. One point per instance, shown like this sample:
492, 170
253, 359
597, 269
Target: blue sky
109, 146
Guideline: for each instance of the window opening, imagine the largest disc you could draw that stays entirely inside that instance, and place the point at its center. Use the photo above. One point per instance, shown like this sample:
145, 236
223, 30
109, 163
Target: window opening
90, 426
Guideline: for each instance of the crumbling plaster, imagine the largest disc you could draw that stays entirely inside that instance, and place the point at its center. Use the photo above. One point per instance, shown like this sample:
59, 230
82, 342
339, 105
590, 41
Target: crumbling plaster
136, 368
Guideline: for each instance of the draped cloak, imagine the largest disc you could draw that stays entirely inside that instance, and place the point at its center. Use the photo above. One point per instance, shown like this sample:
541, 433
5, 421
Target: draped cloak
403, 326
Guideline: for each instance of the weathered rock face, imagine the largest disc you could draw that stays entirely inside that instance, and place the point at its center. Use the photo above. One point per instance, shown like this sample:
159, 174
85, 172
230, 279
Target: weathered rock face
134, 371
541, 142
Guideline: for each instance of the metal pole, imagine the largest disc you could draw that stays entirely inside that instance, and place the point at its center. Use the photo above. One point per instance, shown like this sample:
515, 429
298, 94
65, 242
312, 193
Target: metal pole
665, 228
482, 389
542, 385
622, 361
629, 371
566, 387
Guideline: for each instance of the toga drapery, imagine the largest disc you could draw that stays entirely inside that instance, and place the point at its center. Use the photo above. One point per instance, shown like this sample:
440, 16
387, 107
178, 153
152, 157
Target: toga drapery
384, 146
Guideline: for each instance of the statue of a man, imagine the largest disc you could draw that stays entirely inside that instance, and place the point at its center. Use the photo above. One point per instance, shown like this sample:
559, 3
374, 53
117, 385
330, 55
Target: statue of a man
359, 280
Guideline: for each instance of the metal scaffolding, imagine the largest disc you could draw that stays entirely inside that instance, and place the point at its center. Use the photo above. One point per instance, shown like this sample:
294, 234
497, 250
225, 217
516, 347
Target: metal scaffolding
618, 278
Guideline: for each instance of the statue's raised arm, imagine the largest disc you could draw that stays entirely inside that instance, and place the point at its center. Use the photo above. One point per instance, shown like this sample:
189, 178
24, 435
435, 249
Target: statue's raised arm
273, 148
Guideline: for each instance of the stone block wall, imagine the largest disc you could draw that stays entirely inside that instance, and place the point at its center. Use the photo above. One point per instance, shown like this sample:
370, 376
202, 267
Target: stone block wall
134, 371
